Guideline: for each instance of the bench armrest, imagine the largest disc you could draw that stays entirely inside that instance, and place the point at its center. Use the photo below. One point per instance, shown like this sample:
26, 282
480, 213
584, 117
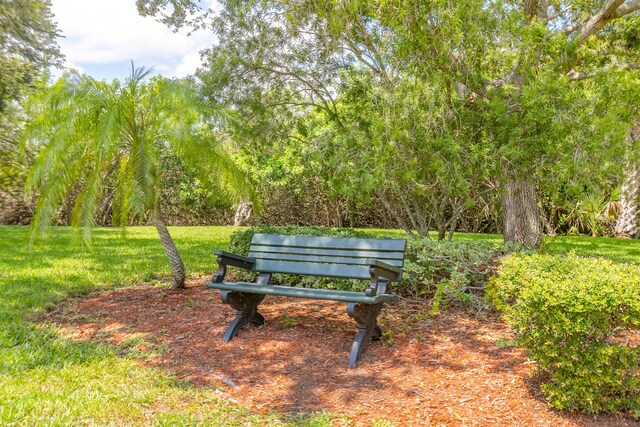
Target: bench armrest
381, 270
230, 259
235, 260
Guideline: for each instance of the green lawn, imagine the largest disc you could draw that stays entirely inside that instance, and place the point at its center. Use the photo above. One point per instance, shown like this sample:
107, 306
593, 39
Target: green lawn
620, 250
46, 379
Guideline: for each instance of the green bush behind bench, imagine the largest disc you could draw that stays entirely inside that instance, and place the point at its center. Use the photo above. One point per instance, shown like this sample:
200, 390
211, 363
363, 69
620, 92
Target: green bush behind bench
572, 314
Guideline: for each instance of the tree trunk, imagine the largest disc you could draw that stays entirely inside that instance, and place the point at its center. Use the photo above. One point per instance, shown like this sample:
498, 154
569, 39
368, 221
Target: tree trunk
521, 222
171, 251
627, 222
243, 213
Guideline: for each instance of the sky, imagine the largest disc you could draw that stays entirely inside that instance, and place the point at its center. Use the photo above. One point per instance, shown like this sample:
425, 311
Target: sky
101, 38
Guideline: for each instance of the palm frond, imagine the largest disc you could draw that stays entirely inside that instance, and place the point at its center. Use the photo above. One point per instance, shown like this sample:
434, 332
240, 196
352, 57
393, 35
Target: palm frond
59, 180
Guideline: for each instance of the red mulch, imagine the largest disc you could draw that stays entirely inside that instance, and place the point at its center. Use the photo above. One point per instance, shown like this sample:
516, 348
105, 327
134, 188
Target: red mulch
444, 370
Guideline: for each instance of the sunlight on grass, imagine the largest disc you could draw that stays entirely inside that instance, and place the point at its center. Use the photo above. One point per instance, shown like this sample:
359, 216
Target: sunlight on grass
46, 379
619, 250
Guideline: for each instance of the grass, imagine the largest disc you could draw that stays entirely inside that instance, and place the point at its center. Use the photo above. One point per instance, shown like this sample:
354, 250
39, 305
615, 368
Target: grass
47, 379
619, 250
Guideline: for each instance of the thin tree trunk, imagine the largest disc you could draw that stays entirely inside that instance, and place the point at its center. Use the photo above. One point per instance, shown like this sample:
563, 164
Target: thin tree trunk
521, 222
452, 229
407, 209
171, 251
627, 222
441, 222
424, 227
396, 215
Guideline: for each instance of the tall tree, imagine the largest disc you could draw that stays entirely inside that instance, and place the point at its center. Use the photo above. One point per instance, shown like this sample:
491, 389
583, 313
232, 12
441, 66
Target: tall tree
382, 137
498, 74
27, 48
92, 132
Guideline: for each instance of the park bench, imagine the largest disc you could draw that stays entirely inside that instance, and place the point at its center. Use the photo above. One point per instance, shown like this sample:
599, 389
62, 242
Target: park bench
379, 261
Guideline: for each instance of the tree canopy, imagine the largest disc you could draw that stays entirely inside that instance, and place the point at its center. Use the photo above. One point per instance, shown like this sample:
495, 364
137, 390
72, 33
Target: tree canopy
429, 107
436, 115
27, 46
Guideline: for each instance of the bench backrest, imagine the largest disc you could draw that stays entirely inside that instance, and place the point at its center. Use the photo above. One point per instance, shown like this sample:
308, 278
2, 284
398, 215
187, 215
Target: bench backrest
323, 256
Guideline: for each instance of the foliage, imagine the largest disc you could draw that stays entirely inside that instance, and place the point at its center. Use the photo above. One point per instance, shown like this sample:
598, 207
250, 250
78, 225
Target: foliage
449, 271
90, 131
321, 89
27, 46
187, 200
573, 315
424, 110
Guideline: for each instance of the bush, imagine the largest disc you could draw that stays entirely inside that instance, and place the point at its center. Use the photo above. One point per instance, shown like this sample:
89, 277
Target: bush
445, 271
448, 271
574, 316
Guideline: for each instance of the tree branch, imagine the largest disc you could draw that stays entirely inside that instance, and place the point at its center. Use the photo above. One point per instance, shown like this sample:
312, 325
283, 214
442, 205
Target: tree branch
574, 75
606, 13
627, 8
559, 13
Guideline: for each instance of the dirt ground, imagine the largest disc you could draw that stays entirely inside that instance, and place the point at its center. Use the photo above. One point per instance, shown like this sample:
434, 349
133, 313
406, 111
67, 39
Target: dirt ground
452, 369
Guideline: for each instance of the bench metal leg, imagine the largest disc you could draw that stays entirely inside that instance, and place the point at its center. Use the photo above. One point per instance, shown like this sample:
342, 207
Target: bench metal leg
365, 315
247, 311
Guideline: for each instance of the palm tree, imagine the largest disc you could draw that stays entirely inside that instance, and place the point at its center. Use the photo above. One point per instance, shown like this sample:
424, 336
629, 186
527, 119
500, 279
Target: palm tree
627, 222
93, 132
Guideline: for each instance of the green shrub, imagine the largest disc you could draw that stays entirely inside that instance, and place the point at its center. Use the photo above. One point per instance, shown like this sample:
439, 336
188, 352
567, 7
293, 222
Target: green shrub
574, 316
445, 271
448, 271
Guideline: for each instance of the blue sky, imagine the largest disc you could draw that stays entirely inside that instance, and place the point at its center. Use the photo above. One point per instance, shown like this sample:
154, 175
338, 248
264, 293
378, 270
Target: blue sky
101, 38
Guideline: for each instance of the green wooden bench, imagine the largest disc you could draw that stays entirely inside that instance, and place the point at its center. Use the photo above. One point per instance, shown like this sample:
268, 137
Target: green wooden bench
379, 261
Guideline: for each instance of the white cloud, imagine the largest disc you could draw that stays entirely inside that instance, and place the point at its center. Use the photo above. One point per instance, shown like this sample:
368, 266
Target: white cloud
189, 63
100, 33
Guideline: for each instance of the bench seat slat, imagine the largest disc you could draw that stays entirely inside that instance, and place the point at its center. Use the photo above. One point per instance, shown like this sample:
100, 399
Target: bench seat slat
345, 252
329, 242
313, 269
288, 291
320, 259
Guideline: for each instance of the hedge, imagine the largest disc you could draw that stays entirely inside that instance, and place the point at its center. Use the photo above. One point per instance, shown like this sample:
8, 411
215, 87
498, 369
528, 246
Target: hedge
576, 317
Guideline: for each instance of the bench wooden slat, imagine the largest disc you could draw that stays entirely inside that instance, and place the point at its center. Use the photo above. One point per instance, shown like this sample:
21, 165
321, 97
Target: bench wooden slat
329, 242
313, 269
320, 258
344, 252
322, 294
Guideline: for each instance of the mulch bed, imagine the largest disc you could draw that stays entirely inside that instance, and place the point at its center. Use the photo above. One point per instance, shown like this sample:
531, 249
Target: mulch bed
442, 370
